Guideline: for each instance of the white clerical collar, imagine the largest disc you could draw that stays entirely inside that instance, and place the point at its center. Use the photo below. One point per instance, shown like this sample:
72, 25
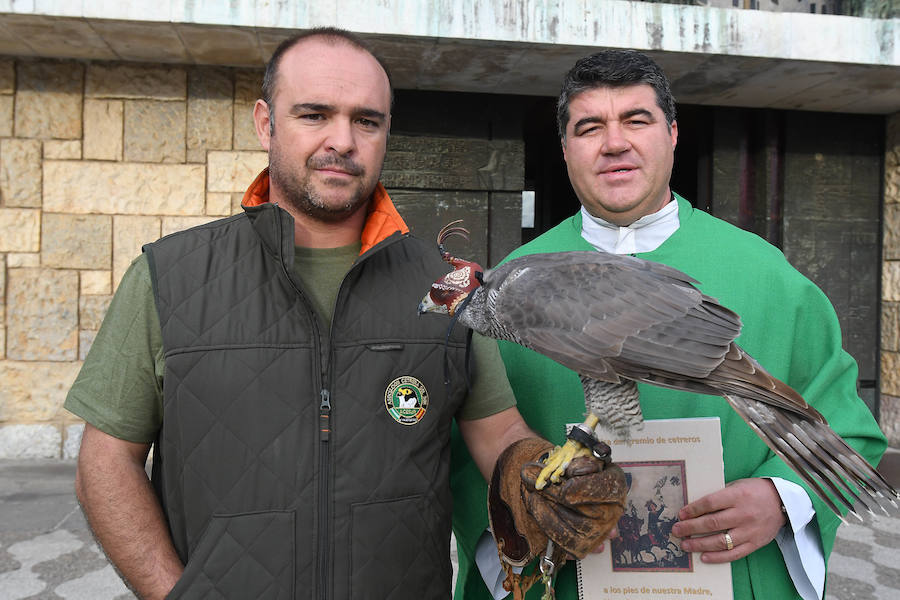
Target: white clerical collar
644, 235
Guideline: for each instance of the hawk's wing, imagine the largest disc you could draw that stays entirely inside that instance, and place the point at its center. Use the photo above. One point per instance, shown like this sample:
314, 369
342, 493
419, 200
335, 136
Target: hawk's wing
599, 314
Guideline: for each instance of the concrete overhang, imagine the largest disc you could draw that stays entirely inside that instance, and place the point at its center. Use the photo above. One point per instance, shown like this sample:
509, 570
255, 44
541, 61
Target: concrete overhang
713, 56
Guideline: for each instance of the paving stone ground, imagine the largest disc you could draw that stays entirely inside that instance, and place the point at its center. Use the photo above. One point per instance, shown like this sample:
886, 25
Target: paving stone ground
47, 553
865, 564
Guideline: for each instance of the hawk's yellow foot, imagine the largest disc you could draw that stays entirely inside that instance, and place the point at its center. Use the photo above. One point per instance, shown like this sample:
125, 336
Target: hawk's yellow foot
557, 462
561, 456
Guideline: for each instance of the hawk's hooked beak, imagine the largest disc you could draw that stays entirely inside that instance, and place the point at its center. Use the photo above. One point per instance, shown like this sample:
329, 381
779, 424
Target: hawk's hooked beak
427, 305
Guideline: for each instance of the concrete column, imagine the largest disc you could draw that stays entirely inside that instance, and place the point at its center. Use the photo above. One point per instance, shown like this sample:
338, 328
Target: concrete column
890, 287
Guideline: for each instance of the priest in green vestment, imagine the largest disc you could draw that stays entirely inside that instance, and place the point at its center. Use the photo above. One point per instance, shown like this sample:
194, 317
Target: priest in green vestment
617, 126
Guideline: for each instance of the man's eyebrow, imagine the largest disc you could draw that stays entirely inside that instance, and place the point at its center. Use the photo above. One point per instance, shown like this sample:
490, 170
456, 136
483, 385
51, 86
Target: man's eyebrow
312, 106
371, 113
587, 121
635, 112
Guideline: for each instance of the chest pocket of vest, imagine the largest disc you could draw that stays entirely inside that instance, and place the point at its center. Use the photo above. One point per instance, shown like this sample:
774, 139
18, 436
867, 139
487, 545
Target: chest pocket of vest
242, 556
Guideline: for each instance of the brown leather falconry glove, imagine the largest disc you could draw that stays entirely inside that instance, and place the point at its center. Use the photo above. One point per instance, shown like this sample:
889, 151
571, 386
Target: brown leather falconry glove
519, 538
577, 513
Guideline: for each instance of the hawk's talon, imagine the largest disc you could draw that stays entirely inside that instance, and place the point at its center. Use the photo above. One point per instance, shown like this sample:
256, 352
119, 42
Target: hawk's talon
557, 461
561, 456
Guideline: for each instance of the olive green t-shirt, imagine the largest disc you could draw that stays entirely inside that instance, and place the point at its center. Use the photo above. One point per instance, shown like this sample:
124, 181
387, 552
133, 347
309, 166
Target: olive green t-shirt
119, 388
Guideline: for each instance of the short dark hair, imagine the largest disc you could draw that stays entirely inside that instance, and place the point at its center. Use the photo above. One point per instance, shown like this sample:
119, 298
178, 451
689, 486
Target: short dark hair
613, 68
332, 34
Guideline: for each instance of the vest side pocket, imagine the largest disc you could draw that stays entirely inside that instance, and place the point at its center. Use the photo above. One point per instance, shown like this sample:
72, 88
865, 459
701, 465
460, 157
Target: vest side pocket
406, 570
249, 555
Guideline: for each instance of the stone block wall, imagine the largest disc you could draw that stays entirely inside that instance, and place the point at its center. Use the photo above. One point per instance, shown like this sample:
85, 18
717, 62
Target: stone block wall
97, 159
890, 286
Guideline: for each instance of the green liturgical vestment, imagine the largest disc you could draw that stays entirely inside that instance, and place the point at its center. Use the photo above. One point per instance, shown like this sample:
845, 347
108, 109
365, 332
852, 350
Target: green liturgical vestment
789, 326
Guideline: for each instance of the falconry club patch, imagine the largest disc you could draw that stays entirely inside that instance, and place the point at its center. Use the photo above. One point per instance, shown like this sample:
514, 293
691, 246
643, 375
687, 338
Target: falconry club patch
406, 400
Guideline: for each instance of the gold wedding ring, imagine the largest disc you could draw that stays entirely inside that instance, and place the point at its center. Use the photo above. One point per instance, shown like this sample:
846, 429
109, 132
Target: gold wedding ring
729, 543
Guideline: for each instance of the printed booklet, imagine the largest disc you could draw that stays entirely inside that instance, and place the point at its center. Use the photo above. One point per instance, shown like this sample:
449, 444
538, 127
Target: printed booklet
669, 463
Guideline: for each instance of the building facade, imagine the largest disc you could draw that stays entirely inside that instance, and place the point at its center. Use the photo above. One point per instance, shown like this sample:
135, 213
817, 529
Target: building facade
122, 122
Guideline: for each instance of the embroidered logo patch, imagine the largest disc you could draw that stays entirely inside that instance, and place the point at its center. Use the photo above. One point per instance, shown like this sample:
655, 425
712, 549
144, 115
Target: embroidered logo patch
406, 400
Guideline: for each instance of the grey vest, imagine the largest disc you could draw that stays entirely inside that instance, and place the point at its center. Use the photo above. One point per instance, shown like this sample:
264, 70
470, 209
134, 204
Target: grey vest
282, 469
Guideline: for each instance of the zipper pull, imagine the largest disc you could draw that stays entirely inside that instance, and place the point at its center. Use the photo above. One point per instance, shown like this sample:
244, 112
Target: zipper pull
324, 415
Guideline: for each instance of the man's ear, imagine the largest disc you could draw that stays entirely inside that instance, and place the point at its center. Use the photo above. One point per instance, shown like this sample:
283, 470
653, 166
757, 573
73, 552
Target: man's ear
674, 134
262, 122
562, 144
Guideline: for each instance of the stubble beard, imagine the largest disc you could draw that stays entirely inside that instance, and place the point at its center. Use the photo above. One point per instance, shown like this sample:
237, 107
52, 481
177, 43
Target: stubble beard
302, 195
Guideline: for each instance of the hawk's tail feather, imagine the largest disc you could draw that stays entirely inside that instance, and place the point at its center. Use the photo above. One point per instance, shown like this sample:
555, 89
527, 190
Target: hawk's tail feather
741, 375
833, 475
809, 473
822, 459
803, 462
877, 486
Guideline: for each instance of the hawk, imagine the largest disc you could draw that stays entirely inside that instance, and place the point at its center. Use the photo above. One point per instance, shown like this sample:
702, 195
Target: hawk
618, 320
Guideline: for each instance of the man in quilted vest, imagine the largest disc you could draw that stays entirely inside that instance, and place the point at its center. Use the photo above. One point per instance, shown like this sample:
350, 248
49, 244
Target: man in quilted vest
296, 405
267, 357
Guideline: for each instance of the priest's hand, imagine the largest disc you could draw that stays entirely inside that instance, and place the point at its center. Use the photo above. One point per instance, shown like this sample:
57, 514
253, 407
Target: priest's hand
731, 523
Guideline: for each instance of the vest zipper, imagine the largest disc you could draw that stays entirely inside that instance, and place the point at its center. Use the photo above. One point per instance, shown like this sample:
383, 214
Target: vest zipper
324, 448
324, 512
324, 488
324, 415
324, 515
